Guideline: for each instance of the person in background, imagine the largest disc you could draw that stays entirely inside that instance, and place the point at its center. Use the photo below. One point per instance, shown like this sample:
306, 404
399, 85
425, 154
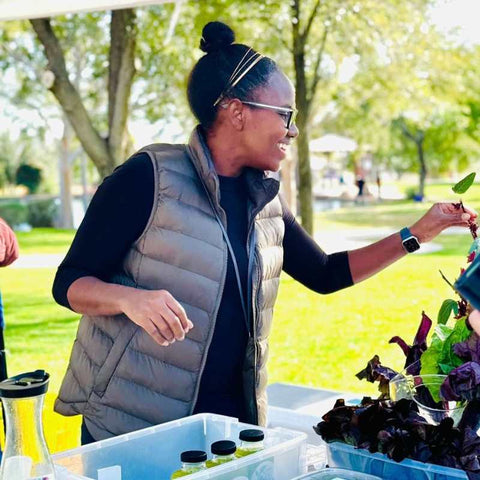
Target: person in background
176, 265
379, 185
8, 254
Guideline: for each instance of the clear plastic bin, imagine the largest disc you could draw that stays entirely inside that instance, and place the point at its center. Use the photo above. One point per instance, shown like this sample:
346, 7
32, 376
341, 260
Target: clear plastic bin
301, 422
153, 453
345, 456
337, 474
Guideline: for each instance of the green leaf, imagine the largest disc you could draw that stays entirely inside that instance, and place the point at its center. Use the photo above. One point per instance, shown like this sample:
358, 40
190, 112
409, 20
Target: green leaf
459, 333
429, 360
464, 184
446, 310
445, 369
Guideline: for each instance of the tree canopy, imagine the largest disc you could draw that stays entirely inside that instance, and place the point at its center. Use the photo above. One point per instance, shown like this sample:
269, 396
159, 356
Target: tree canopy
410, 98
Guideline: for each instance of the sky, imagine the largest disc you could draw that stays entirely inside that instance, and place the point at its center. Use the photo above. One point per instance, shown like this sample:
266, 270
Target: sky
459, 15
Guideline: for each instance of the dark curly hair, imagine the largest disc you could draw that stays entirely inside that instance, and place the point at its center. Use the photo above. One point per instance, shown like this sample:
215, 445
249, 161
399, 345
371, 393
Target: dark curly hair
210, 75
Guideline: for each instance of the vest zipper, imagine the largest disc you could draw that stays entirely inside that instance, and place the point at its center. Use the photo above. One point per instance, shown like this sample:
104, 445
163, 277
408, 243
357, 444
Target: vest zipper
254, 312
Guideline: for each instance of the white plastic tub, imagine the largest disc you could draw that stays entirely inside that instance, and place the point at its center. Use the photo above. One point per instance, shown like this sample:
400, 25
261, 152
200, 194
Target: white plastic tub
336, 474
345, 456
153, 453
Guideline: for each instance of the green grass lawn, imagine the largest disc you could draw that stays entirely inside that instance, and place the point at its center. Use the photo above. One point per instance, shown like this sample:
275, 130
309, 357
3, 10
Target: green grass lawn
316, 340
45, 240
393, 214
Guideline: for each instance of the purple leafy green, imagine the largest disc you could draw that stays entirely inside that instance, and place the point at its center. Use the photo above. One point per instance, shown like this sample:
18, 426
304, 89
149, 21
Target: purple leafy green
397, 430
462, 383
376, 372
469, 349
414, 352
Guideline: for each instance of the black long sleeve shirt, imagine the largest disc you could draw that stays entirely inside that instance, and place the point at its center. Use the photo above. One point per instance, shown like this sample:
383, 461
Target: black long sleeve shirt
117, 216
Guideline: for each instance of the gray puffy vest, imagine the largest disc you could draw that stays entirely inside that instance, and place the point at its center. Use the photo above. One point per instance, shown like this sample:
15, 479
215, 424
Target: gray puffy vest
118, 377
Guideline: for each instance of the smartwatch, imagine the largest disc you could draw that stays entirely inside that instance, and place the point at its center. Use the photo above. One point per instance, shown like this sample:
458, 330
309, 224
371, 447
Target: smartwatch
409, 241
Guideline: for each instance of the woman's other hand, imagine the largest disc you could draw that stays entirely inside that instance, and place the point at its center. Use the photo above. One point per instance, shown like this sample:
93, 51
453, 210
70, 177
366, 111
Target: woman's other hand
438, 218
158, 313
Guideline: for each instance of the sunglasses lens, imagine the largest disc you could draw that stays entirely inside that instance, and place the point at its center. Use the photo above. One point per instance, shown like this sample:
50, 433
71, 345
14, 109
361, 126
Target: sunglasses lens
291, 119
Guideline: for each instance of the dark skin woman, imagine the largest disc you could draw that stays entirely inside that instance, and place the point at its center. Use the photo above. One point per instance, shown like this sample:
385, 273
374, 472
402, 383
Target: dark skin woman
176, 265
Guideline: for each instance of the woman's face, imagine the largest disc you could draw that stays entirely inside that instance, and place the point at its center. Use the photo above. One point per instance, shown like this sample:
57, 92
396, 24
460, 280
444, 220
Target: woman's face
266, 138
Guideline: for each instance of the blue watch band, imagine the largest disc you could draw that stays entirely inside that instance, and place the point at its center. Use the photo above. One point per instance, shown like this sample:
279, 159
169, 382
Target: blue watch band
409, 241
405, 233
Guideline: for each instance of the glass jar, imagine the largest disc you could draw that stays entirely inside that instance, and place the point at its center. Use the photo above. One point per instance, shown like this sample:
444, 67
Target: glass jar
223, 451
251, 441
192, 461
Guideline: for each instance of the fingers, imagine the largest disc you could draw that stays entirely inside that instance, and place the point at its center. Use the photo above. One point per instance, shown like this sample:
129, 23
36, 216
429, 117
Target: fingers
159, 314
179, 311
451, 208
170, 321
173, 322
154, 332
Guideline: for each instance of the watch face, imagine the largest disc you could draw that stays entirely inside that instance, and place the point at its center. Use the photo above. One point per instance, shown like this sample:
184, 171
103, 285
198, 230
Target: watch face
411, 244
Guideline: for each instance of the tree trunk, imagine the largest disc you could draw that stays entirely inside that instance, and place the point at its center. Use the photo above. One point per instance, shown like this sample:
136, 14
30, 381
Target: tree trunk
108, 152
69, 98
120, 79
305, 177
423, 168
418, 138
301, 99
65, 173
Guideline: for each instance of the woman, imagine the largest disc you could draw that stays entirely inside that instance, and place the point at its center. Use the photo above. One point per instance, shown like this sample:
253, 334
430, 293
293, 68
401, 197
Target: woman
176, 265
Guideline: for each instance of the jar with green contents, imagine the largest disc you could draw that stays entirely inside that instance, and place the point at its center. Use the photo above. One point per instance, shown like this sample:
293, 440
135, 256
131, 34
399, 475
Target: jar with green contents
192, 461
223, 451
251, 441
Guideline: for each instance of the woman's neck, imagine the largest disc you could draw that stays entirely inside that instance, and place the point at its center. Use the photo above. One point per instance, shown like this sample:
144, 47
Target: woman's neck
225, 155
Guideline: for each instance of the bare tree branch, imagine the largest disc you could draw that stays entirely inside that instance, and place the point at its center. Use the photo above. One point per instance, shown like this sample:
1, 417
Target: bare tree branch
69, 98
316, 69
295, 19
310, 20
173, 21
418, 138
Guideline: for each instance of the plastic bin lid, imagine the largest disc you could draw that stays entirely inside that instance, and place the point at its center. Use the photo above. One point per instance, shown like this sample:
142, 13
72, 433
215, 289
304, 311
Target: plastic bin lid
337, 474
30, 384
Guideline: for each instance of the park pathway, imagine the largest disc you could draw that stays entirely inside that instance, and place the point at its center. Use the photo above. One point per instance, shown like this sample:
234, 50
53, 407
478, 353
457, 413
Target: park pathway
331, 241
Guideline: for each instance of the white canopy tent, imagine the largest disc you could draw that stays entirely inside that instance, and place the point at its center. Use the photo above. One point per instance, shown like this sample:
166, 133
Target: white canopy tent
23, 9
332, 143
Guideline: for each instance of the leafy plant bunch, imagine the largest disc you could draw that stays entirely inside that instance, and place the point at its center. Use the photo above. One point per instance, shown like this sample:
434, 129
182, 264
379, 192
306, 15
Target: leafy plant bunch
396, 428
454, 349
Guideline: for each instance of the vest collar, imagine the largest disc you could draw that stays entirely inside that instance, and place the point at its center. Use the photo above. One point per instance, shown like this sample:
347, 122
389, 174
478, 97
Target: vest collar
262, 186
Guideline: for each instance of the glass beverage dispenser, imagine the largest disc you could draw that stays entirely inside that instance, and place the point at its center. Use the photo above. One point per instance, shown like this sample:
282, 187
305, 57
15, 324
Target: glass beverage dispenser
26, 455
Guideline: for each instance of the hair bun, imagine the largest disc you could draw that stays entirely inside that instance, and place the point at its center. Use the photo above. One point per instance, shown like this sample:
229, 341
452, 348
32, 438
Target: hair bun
215, 36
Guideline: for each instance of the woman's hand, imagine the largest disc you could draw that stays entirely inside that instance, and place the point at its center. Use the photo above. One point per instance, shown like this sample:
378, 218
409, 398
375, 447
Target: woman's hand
438, 218
158, 313
474, 320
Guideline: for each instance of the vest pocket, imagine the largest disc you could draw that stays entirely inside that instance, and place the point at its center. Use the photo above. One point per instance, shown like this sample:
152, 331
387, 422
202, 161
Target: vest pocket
114, 356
